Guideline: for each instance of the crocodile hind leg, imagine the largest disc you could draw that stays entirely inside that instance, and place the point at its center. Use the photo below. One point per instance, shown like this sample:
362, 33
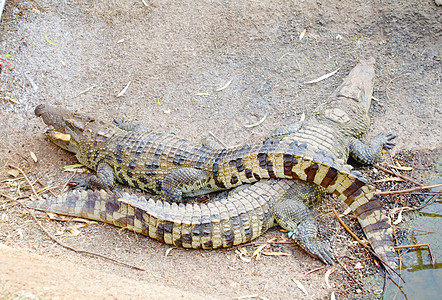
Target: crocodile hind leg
183, 181
291, 212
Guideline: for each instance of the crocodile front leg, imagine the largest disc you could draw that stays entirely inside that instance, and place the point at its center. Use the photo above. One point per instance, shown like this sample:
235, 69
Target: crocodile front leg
283, 131
105, 178
131, 126
370, 154
291, 213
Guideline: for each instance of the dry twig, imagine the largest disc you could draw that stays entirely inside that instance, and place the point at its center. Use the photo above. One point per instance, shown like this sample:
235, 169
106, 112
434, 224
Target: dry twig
349, 275
27, 180
218, 139
420, 188
69, 180
397, 174
70, 247
388, 85
55, 239
433, 262
46, 188
314, 270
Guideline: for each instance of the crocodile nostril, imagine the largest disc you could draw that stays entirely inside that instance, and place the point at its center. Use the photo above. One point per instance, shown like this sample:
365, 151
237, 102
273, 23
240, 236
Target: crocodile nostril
39, 110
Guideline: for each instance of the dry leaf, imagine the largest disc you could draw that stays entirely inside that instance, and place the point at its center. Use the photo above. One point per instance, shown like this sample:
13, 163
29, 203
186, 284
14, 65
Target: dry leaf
243, 255
389, 179
378, 292
73, 230
258, 250
399, 218
14, 101
124, 90
326, 277
49, 41
258, 123
51, 216
302, 117
358, 266
60, 232
225, 86
34, 157
323, 77
70, 167
301, 36
13, 173
244, 258
85, 221
86, 90
168, 250
403, 168
300, 286
399, 167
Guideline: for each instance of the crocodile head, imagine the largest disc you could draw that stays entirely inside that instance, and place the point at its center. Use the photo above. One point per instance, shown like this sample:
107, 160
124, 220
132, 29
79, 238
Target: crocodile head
72, 131
358, 85
349, 104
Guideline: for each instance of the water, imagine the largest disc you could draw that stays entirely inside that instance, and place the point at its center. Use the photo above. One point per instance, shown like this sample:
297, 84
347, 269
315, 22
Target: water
422, 280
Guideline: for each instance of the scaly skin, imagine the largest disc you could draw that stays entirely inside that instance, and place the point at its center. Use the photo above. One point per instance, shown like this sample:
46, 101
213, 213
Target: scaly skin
247, 214
162, 163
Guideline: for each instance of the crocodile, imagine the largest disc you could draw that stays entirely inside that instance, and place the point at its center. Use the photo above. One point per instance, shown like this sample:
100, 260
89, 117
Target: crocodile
165, 164
242, 216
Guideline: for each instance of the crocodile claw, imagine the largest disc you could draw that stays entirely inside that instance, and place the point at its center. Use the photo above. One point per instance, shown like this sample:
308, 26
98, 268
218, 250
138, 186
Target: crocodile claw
79, 183
322, 251
314, 247
386, 139
89, 182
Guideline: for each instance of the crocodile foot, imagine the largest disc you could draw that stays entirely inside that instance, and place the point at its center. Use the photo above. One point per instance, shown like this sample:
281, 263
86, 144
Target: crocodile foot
313, 246
385, 139
88, 182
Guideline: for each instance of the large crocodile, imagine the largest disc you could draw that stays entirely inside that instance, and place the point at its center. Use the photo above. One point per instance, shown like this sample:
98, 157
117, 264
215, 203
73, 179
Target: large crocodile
163, 163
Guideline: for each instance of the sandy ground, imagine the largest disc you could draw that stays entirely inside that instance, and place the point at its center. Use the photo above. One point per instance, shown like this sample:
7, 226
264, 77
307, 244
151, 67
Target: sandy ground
174, 56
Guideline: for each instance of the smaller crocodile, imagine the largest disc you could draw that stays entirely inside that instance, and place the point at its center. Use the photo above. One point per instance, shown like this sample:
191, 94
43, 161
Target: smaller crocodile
244, 215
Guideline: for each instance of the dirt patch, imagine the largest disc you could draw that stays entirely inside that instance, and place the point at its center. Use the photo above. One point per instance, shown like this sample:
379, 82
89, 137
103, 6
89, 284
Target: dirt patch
30, 276
173, 54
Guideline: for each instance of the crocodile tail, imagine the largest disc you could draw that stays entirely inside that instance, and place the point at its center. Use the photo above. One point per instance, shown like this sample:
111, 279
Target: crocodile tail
338, 179
291, 159
214, 225
362, 199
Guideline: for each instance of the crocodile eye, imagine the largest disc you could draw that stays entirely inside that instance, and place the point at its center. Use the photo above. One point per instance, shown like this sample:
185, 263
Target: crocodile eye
75, 125
84, 117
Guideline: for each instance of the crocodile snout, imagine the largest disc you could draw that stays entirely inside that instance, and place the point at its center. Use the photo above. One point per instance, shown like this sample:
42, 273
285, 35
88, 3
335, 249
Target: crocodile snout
39, 110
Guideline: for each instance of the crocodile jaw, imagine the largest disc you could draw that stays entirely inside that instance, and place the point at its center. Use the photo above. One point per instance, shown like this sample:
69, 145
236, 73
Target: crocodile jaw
63, 140
66, 128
